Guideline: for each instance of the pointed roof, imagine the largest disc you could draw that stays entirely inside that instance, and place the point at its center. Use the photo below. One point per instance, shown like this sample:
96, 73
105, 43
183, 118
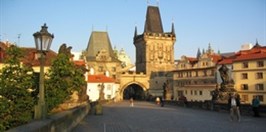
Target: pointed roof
153, 20
99, 41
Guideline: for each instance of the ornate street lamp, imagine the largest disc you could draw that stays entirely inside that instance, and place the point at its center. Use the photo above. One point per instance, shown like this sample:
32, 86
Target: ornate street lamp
43, 40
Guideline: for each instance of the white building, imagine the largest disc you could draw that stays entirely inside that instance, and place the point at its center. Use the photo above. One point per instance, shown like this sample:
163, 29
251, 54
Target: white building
94, 84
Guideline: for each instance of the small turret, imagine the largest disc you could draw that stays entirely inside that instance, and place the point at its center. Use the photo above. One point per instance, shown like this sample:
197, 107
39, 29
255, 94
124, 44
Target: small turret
173, 29
136, 32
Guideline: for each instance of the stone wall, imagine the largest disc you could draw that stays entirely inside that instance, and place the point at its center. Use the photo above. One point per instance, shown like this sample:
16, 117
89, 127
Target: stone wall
61, 122
245, 109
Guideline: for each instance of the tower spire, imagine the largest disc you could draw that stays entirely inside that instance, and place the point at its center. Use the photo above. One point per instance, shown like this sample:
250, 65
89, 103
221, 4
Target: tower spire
136, 33
173, 27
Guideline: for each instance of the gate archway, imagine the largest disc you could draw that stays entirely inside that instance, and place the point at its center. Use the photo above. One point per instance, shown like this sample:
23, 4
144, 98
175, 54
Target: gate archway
135, 90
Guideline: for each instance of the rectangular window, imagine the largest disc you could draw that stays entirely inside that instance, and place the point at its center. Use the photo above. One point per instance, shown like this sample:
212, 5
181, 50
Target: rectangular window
245, 65
180, 93
259, 75
244, 76
244, 86
260, 64
260, 97
200, 92
244, 98
186, 92
100, 69
259, 86
196, 92
191, 92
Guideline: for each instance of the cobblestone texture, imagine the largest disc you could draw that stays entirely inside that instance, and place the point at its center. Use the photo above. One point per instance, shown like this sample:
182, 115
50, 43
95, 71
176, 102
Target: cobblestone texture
148, 117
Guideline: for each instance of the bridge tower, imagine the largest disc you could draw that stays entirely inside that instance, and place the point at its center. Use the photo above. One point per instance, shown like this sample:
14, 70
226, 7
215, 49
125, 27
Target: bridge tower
154, 48
155, 53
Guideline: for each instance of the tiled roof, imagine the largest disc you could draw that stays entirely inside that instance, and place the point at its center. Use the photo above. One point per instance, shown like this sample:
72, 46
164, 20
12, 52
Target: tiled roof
215, 57
30, 57
257, 52
100, 79
79, 62
99, 41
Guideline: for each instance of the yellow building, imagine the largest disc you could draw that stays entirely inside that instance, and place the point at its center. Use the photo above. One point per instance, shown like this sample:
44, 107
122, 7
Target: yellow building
249, 73
195, 78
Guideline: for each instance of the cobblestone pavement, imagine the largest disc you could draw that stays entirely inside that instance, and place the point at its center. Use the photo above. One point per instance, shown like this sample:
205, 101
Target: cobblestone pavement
149, 117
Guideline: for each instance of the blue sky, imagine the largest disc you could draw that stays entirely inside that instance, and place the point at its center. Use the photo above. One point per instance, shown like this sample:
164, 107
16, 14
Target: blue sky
226, 24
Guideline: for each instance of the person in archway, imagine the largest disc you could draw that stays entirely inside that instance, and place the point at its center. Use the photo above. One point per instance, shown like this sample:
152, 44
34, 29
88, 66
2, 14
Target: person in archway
131, 102
162, 101
157, 100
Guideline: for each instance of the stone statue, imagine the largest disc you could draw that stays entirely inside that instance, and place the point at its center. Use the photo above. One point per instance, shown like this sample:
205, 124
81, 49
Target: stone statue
65, 50
224, 74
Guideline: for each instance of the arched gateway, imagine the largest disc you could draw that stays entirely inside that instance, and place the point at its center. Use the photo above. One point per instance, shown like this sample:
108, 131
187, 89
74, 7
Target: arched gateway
133, 85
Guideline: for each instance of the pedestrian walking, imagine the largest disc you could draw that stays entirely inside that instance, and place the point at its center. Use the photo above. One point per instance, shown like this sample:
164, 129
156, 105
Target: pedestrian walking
255, 106
131, 102
234, 103
157, 100
162, 102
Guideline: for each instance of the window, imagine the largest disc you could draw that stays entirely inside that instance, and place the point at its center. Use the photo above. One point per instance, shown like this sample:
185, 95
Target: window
245, 65
244, 98
259, 86
186, 92
100, 69
196, 92
259, 96
244, 86
191, 92
180, 93
244, 76
260, 64
200, 92
259, 75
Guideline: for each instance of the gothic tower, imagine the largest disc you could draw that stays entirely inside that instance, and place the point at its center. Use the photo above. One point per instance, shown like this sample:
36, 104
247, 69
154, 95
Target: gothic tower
154, 48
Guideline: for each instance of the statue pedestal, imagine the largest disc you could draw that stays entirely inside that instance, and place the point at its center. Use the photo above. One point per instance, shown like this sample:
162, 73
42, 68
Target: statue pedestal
223, 93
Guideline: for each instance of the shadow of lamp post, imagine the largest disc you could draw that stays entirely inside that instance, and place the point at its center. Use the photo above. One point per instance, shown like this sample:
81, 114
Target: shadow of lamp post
43, 40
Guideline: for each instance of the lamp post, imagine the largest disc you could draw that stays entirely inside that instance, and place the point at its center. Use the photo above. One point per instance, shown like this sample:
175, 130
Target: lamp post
43, 40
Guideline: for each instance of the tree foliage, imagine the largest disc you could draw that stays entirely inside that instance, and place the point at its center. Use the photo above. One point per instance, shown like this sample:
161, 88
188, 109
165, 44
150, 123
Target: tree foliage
63, 79
16, 86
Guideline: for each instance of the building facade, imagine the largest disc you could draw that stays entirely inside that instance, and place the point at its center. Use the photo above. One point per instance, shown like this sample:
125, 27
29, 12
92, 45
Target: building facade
195, 78
155, 51
249, 73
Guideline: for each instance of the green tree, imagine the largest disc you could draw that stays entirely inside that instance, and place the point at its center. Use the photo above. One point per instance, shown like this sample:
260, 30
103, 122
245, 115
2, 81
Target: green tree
16, 86
63, 79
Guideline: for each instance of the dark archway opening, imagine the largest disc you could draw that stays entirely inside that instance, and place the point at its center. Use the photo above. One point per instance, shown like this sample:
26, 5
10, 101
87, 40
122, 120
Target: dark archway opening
134, 91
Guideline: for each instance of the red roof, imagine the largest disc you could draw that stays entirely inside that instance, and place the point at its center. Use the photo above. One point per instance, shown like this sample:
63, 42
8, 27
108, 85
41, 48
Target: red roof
226, 61
215, 57
79, 62
31, 59
257, 52
100, 79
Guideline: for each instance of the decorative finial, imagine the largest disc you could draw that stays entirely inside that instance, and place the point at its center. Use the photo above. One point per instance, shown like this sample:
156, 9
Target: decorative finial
173, 28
